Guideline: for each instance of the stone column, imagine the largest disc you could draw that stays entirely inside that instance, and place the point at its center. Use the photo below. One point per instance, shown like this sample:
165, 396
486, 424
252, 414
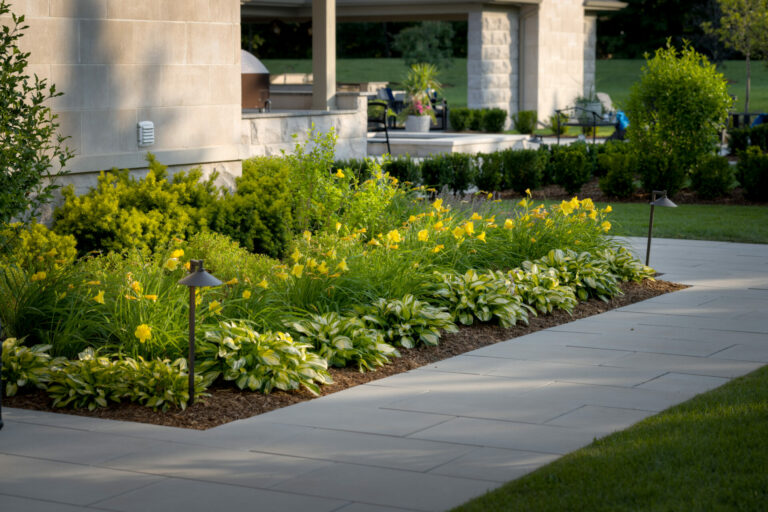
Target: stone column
324, 54
492, 60
590, 44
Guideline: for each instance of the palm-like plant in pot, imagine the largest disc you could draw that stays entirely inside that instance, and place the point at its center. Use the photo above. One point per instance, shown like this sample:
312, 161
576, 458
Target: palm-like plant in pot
418, 112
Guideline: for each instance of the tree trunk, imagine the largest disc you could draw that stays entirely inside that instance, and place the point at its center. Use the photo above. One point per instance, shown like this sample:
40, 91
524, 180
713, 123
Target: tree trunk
746, 99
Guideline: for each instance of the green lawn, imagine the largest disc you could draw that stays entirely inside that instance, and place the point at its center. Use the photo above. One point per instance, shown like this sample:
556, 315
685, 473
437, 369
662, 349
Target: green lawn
614, 76
706, 454
728, 223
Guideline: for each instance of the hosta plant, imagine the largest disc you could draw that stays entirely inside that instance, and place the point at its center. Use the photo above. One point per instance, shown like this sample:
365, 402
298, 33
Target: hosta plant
91, 381
623, 264
408, 322
483, 297
541, 289
24, 366
345, 340
264, 361
582, 271
159, 383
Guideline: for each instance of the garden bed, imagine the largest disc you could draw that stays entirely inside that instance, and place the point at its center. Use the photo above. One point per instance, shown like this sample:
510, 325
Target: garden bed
228, 404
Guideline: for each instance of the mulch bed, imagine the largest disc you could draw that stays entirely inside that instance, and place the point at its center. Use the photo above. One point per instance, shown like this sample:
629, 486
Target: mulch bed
229, 404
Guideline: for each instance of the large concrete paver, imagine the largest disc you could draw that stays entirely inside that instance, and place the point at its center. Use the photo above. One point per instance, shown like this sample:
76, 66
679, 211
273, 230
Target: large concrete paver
428, 439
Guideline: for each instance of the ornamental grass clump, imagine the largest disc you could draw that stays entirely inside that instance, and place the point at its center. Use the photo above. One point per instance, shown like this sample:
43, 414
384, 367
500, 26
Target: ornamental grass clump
343, 341
481, 296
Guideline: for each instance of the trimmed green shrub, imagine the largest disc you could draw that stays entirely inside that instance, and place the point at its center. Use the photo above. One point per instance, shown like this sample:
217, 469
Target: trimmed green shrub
712, 177
476, 119
490, 171
610, 147
571, 167
455, 170
459, 118
739, 139
404, 168
523, 169
619, 180
124, 213
660, 171
553, 124
753, 173
676, 112
493, 120
258, 215
525, 121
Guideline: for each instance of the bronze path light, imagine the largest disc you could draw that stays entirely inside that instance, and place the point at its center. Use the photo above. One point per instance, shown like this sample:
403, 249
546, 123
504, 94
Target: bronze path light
197, 278
661, 201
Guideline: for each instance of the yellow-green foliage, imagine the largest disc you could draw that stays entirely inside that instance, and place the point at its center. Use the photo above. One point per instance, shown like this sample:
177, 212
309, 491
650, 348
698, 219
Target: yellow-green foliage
35, 248
122, 212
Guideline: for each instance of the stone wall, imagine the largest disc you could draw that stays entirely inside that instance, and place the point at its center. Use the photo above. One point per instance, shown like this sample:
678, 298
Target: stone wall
492, 59
173, 62
590, 56
265, 134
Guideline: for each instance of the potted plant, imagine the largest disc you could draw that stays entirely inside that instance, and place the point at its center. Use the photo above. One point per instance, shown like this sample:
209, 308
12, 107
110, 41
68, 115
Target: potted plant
418, 113
588, 105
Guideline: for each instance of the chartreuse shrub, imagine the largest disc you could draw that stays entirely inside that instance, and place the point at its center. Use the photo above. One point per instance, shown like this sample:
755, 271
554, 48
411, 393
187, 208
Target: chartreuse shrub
258, 215
482, 296
409, 322
676, 112
123, 212
753, 173
343, 340
712, 177
263, 361
35, 248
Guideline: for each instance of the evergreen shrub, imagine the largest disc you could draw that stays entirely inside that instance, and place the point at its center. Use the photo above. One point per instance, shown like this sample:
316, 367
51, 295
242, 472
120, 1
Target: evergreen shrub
492, 120
525, 121
459, 118
753, 173
712, 177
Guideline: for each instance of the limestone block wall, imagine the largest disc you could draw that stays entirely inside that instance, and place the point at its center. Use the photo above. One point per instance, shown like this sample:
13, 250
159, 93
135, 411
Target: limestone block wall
561, 51
266, 134
590, 55
492, 59
173, 62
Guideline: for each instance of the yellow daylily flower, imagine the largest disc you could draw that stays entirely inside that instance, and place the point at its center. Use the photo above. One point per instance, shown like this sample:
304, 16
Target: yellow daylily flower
509, 224
297, 270
393, 237
215, 307
469, 227
481, 236
533, 240
232, 281
438, 204
188, 266
438, 226
608, 209
323, 268
263, 284
171, 264
151, 297
246, 294
338, 226
423, 235
476, 216
282, 275
489, 196
373, 241
130, 297
307, 235
458, 232
93, 283
311, 263
99, 297
342, 266
528, 192
592, 214
296, 255
143, 333
606, 226
178, 253
412, 218
339, 173
438, 248
136, 287
37, 276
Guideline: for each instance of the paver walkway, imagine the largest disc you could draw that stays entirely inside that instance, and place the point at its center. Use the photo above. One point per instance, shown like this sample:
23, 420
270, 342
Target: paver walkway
428, 439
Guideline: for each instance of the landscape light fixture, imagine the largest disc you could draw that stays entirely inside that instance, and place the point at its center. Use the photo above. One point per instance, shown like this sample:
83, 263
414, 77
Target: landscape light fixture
663, 200
197, 278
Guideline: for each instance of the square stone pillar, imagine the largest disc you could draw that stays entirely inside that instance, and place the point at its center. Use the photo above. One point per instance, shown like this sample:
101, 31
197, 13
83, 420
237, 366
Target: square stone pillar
324, 54
492, 60
590, 53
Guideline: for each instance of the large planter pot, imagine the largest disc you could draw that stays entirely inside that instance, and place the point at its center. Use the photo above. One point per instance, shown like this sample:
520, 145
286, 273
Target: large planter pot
593, 106
417, 124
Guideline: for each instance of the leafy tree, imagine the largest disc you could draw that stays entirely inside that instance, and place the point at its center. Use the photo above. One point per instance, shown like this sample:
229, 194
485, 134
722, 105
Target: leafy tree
743, 27
430, 42
676, 111
29, 144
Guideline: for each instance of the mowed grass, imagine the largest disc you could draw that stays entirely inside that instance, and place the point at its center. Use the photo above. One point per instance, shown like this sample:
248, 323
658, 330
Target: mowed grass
706, 454
614, 77
726, 223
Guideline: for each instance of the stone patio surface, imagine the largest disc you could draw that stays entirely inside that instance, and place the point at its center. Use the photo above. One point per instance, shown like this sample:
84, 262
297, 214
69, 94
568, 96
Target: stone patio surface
424, 440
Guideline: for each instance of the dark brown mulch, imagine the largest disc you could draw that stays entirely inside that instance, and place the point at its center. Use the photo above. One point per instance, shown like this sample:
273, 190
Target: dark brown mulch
228, 404
592, 190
